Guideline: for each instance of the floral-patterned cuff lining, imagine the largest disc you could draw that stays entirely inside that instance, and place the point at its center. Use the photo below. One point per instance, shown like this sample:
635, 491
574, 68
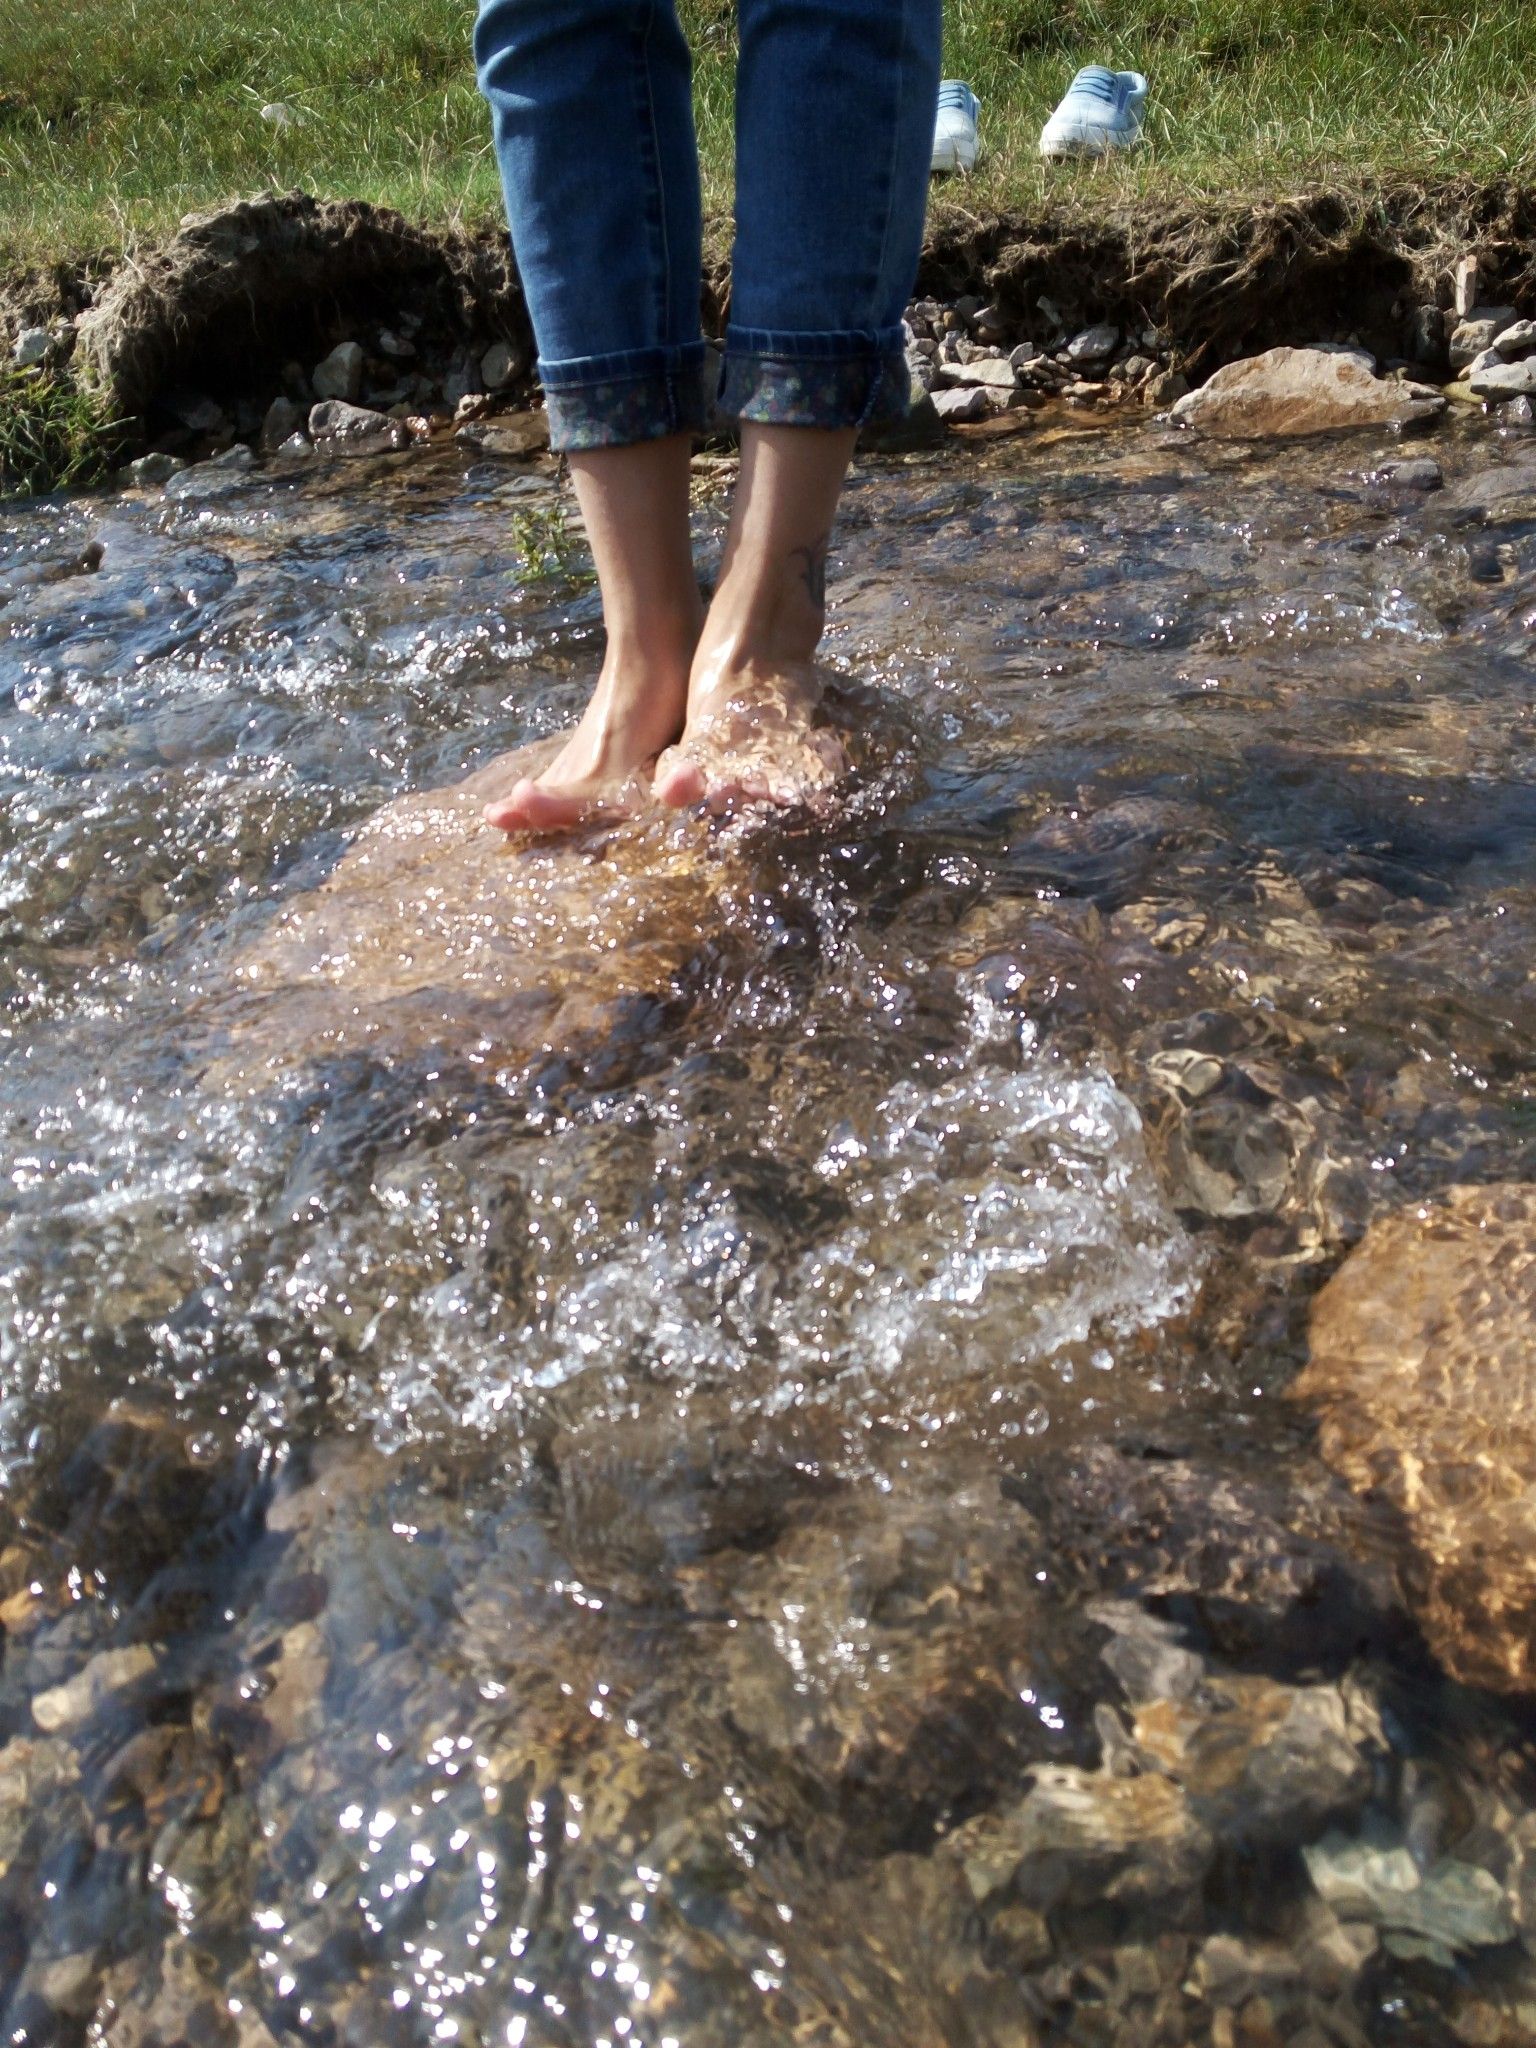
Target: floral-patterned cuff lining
807, 391
616, 412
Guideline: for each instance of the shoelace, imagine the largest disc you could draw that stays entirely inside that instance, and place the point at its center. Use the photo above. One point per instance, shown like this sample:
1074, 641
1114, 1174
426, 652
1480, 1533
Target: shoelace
954, 93
1097, 83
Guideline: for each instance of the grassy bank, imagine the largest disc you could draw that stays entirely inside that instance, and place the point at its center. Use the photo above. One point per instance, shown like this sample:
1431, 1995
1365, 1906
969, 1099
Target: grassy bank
112, 127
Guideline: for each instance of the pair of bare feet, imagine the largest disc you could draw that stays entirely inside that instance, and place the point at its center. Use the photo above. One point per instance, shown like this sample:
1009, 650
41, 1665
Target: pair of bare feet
692, 708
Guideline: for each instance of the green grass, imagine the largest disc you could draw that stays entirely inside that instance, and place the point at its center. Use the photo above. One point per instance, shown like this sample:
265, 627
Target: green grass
52, 436
114, 125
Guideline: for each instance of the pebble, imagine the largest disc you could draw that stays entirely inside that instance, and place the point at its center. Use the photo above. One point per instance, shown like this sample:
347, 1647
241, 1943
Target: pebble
500, 365
110, 1671
1093, 344
355, 429
1522, 413
395, 346
1026, 353
520, 434
340, 375
989, 372
956, 406
1453, 1904
31, 347
1166, 387
198, 412
297, 446
1517, 339
1464, 286
1421, 473
209, 479
1426, 335
278, 114
284, 418
1504, 380
156, 468
1479, 331
462, 379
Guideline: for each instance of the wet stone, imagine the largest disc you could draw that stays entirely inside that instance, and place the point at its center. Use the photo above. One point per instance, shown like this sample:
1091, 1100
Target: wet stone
1419, 1373
1080, 1835
344, 429
64, 1707
1290, 391
1451, 1907
1417, 473
147, 471
212, 479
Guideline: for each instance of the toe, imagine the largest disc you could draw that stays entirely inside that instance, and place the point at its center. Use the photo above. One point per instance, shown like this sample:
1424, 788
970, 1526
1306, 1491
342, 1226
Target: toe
679, 780
530, 808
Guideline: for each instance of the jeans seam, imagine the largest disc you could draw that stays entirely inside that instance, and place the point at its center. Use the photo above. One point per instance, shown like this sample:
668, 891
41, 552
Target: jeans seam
658, 192
903, 65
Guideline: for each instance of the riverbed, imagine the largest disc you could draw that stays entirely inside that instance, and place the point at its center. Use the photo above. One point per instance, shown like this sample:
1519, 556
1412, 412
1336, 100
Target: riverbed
685, 1438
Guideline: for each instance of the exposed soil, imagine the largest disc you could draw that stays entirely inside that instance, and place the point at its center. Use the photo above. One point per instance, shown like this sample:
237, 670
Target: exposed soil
242, 292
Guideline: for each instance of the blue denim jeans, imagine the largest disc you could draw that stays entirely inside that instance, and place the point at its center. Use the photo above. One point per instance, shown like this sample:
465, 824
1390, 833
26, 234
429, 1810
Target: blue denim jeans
592, 107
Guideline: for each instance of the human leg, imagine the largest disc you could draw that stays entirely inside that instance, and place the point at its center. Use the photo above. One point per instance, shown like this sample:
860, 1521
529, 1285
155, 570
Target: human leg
752, 690
592, 116
834, 126
634, 503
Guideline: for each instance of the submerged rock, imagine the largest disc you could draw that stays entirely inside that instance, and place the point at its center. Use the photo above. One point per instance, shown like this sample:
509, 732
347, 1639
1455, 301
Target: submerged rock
1449, 1907
1422, 1346
1290, 391
1081, 1836
109, 1672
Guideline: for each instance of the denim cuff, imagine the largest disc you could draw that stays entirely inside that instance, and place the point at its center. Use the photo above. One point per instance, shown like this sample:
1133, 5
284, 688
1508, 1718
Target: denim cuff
636, 395
815, 380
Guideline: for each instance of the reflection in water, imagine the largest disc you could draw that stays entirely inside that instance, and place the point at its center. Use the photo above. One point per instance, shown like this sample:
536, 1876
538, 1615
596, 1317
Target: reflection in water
673, 1438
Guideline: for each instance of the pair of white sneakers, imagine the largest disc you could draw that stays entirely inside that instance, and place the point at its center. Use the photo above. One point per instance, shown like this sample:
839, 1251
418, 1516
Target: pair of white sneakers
1102, 111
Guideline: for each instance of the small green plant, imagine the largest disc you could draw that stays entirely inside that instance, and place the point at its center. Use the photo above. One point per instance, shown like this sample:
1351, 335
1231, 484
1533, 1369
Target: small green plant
53, 435
547, 543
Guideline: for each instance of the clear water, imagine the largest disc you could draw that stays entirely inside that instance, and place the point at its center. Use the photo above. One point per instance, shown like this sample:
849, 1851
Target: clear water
590, 1434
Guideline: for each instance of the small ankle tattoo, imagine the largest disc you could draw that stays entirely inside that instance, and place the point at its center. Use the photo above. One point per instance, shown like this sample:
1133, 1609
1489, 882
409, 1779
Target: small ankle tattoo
814, 569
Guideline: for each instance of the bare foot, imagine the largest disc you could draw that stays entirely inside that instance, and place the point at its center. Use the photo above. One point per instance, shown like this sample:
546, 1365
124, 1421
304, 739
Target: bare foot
603, 768
752, 737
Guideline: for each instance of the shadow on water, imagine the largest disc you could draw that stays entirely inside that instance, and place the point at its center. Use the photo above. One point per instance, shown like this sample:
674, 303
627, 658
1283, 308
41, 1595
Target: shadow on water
682, 1438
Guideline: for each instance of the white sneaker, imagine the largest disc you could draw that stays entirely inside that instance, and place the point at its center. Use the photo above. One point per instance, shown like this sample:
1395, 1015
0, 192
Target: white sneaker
1102, 111
954, 131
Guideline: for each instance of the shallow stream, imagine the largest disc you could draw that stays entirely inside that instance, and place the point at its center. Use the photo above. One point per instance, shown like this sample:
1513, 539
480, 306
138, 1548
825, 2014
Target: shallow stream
683, 1440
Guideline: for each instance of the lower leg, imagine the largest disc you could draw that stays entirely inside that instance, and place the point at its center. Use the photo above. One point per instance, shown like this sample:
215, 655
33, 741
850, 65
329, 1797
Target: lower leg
634, 503
752, 688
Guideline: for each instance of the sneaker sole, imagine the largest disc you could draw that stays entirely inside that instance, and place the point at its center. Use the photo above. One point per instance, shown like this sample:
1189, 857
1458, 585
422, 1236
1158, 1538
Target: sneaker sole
1088, 142
947, 161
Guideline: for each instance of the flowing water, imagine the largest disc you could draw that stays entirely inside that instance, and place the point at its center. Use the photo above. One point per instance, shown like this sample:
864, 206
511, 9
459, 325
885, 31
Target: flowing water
683, 1438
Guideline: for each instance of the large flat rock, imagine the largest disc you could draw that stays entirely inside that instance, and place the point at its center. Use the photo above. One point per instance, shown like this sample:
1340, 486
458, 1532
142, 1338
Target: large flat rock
1290, 391
1423, 1375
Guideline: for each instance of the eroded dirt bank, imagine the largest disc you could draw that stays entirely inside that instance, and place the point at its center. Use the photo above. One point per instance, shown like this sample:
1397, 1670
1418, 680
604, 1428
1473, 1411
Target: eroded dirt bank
239, 306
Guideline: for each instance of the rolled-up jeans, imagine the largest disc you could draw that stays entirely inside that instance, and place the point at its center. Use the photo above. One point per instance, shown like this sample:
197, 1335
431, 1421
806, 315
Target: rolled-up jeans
592, 110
